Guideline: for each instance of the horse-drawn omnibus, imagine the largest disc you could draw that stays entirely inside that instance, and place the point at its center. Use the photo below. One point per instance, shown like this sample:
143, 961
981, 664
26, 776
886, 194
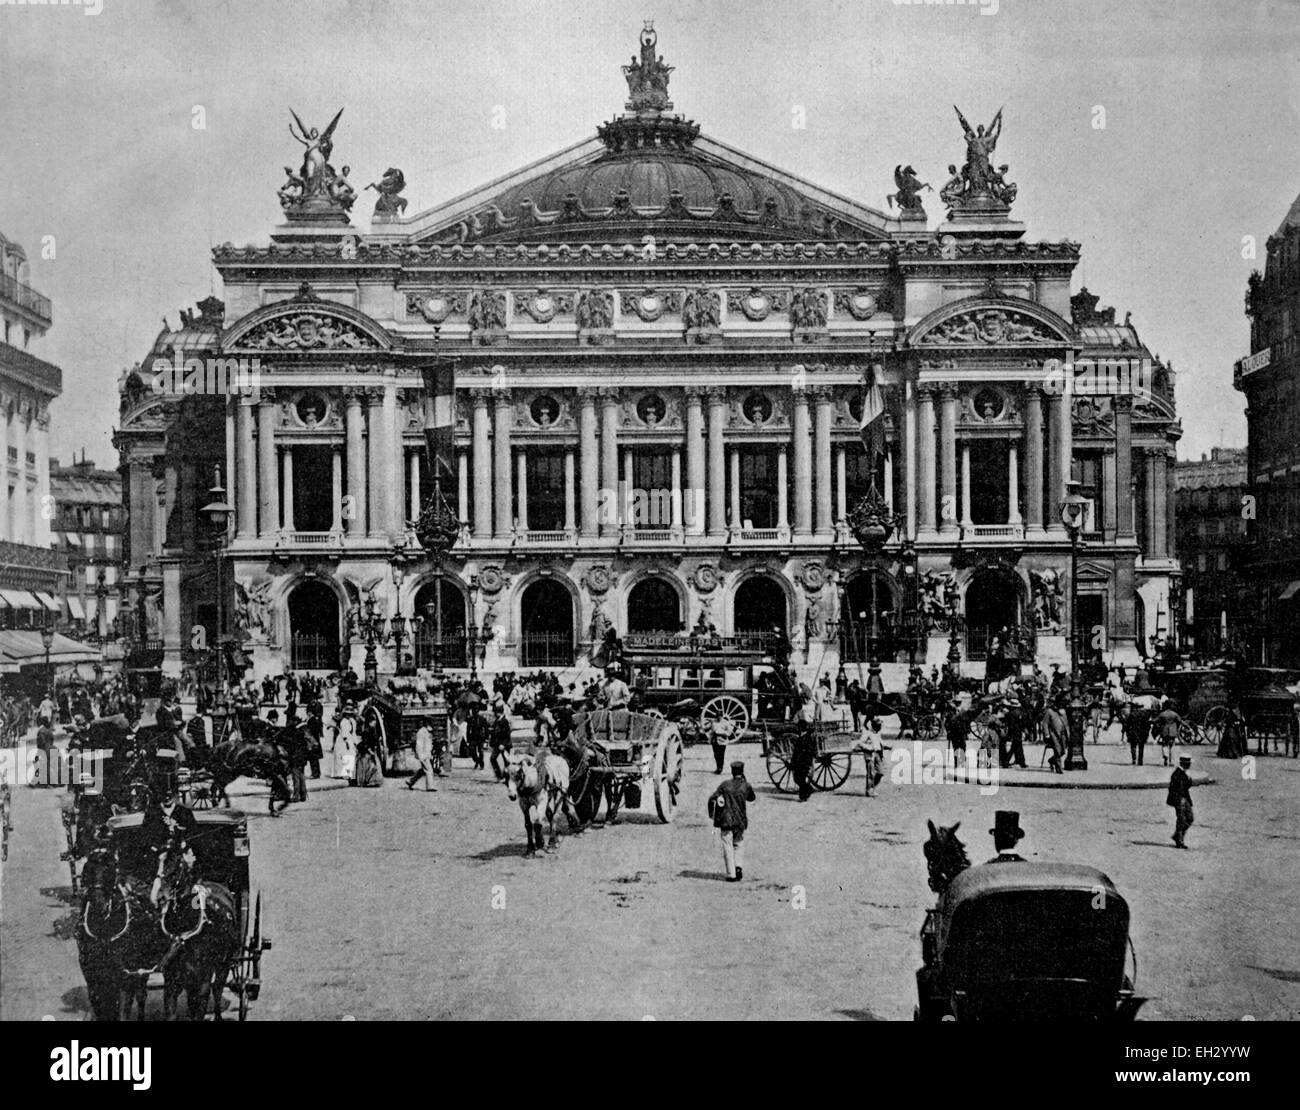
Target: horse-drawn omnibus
706, 678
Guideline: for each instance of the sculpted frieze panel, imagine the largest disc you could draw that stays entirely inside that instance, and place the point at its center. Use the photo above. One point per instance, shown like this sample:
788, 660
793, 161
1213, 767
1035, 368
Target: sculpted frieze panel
307, 331
988, 327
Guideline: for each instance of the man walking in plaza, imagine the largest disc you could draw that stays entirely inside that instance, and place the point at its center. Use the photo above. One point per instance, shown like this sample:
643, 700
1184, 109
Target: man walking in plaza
801, 758
1168, 722
424, 755
501, 742
1180, 798
1136, 720
728, 806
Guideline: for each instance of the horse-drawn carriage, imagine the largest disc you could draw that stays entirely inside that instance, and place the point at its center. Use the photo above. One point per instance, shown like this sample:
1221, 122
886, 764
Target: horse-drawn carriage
179, 918
1200, 697
394, 719
696, 680
1025, 942
1270, 713
832, 761
632, 754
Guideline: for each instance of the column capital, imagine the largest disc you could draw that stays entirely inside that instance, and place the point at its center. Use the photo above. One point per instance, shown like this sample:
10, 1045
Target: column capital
1123, 403
268, 395
609, 394
502, 393
1033, 393
480, 395
354, 395
716, 394
801, 394
821, 394
947, 391
694, 396
375, 396
587, 394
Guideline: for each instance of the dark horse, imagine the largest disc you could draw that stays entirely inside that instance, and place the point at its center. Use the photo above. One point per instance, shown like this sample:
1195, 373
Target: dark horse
263, 754
945, 856
119, 943
201, 921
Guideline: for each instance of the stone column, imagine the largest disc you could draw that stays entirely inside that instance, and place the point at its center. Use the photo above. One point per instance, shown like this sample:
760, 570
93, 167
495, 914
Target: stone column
1122, 492
462, 485
1149, 524
1171, 506
42, 520
803, 514
378, 458
822, 460
1033, 459
841, 485
966, 521
1159, 491
782, 488
570, 492
1013, 482
736, 521
625, 501
925, 452
889, 477
948, 459
268, 481
588, 453
1060, 439
503, 487
481, 452
717, 462
609, 475
356, 519
413, 508
336, 489
695, 464
1108, 507
677, 506
246, 479
521, 490
18, 430
391, 443
909, 456
286, 469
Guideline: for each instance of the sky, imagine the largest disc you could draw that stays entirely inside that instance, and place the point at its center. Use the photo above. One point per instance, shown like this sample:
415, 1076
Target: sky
99, 148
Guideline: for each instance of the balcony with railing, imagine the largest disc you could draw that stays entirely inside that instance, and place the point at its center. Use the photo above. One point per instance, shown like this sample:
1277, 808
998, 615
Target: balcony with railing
992, 532
26, 298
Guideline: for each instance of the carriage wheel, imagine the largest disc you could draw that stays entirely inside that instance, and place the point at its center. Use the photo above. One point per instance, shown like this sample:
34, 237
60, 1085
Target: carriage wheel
658, 714
830, 770
1187, 733
370, 713
1096, 722
668, 764
726, 707
778, 768
929, 727
1213, 724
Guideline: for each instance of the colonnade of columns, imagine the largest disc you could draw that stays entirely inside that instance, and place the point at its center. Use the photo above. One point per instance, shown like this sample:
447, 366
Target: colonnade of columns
24, 431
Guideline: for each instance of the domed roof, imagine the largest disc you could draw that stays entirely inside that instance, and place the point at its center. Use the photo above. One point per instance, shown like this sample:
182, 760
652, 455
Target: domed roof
653, 174
1292, 218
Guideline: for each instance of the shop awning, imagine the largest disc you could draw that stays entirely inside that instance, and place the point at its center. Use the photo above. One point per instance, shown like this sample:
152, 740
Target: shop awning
51, 603
74, 607
24, 647
1291, 590
21, 599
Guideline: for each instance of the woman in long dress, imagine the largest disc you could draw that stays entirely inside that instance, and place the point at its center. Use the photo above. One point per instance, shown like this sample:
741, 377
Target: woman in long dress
345, 746
369, 772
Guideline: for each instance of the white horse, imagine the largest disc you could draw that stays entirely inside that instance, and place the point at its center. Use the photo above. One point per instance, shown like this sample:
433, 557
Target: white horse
541, 787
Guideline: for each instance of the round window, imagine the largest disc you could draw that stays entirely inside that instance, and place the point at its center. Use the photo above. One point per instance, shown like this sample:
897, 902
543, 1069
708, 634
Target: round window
989, 404
311, 409
757, 408
651, 408
545, 411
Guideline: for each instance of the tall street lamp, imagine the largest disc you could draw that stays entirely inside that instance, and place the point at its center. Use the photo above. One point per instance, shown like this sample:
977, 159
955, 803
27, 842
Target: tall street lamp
217, 513
47, 638
1073, 510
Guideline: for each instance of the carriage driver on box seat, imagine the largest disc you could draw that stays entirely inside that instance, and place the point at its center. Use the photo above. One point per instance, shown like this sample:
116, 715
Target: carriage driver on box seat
165, 823
1007, 833
614, 692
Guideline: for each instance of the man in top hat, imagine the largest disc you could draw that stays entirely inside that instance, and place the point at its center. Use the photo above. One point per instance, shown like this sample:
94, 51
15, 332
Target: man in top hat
1180, 798
1007, 833
728, 806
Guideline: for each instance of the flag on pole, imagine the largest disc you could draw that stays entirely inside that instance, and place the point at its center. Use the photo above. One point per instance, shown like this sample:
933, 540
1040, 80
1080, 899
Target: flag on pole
872, 426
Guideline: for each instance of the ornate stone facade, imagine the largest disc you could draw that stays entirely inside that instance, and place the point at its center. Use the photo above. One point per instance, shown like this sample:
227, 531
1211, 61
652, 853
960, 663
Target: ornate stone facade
660, 352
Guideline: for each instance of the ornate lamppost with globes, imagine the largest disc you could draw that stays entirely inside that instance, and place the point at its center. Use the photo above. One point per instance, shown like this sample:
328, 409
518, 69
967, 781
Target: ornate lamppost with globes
217, 512
47, 639
1073, 510
437, 527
